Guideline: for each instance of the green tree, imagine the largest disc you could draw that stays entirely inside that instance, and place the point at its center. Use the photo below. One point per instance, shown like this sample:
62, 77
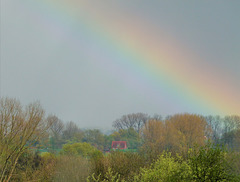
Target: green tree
210, 163
94, 137
165, 169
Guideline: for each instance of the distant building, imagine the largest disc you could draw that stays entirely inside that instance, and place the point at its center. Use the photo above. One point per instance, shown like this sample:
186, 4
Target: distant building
119, 145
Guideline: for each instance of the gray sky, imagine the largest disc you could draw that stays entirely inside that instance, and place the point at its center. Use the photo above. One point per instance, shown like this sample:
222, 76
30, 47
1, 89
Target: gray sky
47, 55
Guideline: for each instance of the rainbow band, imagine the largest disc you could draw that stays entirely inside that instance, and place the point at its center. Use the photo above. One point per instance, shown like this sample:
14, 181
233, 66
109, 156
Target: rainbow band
161, 66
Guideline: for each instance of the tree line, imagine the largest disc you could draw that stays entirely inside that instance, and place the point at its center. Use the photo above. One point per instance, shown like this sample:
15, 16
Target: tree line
138, 128
65, 147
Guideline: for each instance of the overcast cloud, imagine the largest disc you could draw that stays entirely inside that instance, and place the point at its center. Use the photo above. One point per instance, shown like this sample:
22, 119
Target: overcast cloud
68, 80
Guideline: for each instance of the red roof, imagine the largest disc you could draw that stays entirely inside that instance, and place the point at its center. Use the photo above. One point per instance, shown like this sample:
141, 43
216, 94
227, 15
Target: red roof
119, 145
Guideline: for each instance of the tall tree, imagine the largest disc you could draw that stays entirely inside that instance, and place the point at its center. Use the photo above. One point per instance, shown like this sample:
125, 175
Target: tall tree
153, 138
19, 129
191, 129
94, 137
230, 127
176, 134
216, 124
135, 121
56, 130
72, 132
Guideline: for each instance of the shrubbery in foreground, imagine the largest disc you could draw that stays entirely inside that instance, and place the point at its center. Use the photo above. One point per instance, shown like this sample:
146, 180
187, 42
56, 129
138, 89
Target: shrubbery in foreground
206, 163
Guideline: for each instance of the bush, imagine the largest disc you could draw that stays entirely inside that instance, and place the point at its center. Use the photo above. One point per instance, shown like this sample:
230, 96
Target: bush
72, 169
211, 163
110, 177
165, 168
206, 163
35, 167
125, 164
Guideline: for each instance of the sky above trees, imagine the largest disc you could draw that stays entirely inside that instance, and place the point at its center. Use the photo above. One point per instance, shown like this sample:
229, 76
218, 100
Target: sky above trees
92, 62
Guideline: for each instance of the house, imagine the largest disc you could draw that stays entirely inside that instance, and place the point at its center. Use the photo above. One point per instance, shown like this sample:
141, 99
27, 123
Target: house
119, 145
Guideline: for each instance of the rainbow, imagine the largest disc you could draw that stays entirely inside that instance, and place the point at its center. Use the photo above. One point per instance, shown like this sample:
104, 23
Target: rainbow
147, 57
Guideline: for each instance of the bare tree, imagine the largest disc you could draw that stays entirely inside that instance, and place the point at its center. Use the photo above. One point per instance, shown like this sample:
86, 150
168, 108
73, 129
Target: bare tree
19, 129
57, 125
71, 131
231, 123
56, 129
216, 125
230, 127
135, 121
157, 117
